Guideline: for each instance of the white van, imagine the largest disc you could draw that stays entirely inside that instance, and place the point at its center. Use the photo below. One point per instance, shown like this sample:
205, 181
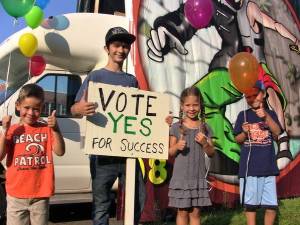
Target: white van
72, 46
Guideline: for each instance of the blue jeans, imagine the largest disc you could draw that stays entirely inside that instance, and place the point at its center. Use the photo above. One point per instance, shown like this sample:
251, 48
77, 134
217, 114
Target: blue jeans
104, 172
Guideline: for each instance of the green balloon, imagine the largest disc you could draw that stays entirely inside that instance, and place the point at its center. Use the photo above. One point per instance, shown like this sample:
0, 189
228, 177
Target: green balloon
17, 8
34, 17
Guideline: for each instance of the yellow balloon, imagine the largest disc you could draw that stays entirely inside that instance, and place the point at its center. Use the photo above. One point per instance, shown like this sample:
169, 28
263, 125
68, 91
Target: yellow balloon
28, 44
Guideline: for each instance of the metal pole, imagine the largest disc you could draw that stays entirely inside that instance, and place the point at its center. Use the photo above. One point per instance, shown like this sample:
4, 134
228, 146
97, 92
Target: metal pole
96, 8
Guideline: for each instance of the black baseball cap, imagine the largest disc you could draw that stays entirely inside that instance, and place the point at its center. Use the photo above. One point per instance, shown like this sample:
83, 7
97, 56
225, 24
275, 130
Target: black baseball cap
119, 34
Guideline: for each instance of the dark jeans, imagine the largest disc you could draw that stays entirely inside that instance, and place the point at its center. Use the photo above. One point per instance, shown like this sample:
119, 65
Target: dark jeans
104, 172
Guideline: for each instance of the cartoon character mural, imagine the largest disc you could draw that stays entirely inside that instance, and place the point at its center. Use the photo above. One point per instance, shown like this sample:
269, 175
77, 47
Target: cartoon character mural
175, 55
176, 29
240, 25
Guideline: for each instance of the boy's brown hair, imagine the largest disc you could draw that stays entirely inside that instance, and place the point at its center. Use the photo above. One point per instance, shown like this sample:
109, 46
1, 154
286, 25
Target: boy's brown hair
31, 90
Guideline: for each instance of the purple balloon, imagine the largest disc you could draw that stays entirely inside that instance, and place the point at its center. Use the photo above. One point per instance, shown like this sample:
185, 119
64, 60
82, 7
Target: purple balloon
198, 12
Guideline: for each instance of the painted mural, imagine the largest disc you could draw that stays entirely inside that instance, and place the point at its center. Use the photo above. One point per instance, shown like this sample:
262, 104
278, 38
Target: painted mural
176, 51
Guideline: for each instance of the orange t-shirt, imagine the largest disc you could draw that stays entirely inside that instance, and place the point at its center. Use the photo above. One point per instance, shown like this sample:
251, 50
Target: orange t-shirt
30, 170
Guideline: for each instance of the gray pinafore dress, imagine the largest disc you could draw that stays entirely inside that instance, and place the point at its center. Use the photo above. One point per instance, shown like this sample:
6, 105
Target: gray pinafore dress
188, 186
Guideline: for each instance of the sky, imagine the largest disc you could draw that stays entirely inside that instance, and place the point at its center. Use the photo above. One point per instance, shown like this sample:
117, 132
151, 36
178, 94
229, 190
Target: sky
54, 7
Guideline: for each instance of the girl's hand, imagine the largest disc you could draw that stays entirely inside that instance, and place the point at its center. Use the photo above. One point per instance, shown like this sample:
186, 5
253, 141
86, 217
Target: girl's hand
6, 120
246, 127
201, 139
169, 119
180, 145
52, 122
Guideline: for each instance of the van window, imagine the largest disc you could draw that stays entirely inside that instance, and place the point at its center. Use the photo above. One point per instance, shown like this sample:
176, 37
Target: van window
105, 6
60, 92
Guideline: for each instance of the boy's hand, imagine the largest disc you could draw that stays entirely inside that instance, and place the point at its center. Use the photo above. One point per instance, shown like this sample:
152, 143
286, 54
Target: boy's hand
84, 107
201, 139
6, 120
260, 112
52, 122
246, 127
181, 143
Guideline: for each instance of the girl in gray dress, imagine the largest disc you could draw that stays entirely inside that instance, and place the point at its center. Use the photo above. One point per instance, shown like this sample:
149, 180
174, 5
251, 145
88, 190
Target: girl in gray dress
189, 142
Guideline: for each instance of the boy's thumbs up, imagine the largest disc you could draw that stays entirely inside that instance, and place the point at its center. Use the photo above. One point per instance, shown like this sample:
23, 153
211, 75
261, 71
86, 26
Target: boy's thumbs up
261, 106
52, 120
53, 113
6, 120
260, 112
181, 142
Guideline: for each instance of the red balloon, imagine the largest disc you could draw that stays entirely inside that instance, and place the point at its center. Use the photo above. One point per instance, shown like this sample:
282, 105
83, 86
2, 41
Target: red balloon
244, 70
37, 65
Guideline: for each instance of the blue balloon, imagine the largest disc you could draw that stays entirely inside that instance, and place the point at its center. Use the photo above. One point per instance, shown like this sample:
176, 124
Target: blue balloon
59, 22
41, 3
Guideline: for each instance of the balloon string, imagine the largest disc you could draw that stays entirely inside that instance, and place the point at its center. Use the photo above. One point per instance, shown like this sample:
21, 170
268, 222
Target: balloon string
6, 86
245, 108
15, 21
248, 158
29, 68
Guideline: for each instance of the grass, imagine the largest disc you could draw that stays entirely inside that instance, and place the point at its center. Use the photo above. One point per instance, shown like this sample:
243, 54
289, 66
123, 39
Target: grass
288, 214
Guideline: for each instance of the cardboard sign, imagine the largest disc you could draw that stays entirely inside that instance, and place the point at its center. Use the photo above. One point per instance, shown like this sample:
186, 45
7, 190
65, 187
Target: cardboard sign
128, 122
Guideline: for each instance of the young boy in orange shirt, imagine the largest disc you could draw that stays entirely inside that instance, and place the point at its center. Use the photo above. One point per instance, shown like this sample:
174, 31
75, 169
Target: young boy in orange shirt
28, 146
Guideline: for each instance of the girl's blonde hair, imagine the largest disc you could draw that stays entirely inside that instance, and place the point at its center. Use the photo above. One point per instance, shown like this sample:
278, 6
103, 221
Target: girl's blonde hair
192, 91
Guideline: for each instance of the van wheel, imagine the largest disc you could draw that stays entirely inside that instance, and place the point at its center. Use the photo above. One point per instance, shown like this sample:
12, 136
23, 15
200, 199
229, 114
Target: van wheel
2, 205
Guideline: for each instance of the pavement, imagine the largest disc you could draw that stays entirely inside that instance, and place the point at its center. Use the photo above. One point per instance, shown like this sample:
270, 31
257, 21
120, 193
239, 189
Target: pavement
112, 221
74, 214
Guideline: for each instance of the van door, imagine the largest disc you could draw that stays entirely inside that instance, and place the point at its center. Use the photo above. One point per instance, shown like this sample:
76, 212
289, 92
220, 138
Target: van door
72, 169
